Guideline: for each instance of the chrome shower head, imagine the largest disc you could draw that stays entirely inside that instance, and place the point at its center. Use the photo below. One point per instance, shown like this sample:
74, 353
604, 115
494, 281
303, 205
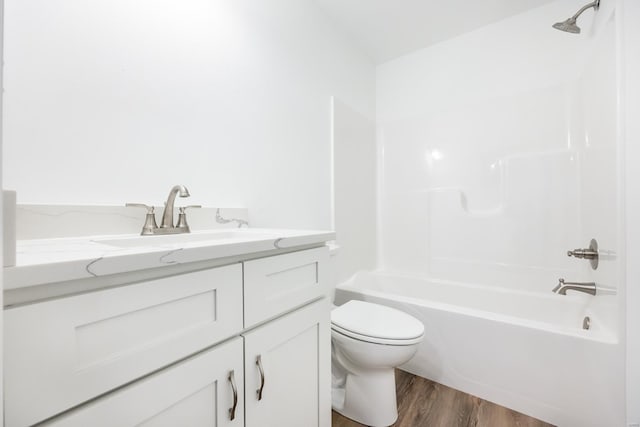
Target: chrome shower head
569, 25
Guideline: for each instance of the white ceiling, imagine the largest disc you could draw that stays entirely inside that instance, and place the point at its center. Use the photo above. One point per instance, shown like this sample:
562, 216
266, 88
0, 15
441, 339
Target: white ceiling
386, 29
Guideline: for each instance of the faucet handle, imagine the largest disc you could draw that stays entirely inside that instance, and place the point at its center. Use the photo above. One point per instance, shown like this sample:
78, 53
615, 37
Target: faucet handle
150, 224
150, 209
182, 216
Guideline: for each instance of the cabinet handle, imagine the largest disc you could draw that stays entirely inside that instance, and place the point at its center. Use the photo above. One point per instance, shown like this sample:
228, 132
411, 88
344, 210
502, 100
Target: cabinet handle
259, 363
232, 410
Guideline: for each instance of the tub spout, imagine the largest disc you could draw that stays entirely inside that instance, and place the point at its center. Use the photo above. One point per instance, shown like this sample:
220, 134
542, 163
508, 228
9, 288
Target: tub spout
562, 287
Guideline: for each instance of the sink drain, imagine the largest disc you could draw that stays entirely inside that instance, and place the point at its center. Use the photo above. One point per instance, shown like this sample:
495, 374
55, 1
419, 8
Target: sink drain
586, 323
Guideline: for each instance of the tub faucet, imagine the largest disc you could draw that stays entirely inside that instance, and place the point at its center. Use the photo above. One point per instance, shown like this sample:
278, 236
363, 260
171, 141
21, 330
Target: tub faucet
167, 215
563, 287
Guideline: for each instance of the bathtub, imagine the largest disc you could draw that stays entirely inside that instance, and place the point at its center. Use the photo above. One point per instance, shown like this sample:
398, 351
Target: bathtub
527, 351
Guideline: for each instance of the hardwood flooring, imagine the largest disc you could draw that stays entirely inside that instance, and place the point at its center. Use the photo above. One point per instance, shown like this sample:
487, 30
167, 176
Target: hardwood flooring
424, 403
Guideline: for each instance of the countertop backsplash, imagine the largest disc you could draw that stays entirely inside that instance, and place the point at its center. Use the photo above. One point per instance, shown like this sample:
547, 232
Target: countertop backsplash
59, 221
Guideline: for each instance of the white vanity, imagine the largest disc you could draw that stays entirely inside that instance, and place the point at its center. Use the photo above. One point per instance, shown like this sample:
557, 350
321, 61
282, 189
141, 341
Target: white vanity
227, 331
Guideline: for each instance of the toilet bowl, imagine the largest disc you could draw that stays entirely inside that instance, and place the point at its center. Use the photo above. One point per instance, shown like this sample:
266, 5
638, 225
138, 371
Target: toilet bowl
368, 341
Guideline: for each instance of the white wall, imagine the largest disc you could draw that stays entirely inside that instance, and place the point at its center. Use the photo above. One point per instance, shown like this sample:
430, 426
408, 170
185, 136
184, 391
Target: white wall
355, 189
488, 143
631, 129
113, 101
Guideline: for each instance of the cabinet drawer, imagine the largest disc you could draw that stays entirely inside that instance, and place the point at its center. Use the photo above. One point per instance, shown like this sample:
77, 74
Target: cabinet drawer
195, 393
278, 284
66, 351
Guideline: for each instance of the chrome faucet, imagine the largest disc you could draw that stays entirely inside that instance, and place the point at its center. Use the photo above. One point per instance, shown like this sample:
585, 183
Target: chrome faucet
167, 215
166, 227
563, 287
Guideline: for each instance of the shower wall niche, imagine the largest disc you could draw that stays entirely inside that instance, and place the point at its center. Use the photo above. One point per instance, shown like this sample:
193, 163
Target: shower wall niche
498, 153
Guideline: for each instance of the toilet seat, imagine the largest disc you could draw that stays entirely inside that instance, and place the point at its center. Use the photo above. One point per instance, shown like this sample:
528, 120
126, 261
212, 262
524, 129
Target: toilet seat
376, 324
375, 340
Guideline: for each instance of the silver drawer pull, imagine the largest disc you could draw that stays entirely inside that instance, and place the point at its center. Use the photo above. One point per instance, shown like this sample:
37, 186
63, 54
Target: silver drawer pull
232, 410
259, 391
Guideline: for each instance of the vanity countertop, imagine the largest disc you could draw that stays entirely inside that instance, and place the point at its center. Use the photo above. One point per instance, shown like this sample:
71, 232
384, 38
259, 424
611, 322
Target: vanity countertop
43, 261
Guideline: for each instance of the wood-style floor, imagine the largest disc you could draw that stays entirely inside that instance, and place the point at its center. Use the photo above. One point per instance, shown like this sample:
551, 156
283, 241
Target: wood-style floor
424, 403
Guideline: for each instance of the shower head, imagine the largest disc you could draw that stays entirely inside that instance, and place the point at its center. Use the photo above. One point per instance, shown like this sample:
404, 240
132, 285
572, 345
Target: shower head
570, 25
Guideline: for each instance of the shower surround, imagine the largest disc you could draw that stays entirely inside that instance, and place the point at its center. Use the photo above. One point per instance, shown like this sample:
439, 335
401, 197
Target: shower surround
498, 152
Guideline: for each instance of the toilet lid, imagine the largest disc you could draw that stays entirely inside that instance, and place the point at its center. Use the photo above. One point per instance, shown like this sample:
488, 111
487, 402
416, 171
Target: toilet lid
376, 321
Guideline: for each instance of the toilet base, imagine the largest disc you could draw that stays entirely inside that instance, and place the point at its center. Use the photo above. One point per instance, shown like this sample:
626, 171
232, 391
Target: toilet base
368, 399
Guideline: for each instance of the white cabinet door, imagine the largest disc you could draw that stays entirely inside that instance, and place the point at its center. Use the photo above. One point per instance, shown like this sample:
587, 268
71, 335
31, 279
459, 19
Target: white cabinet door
287, 370
66, 351
195, 393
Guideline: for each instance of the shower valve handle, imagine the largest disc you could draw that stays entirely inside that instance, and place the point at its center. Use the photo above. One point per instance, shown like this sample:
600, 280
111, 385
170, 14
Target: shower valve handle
591, 253
583, 253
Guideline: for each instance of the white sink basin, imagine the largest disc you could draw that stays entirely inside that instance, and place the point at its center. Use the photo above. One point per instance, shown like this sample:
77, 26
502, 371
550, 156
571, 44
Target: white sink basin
187, 238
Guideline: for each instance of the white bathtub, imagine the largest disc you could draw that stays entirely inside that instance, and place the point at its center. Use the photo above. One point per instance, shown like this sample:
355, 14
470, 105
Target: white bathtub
524, 350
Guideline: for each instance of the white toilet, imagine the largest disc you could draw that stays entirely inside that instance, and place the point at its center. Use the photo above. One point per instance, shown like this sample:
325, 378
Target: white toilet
367, 342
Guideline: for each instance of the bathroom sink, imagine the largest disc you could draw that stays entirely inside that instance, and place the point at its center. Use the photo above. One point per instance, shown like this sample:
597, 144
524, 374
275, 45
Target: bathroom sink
187, 238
